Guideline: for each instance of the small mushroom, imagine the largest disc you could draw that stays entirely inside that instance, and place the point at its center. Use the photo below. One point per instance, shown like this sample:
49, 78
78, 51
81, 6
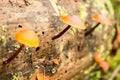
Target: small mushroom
41, 77
103, 64
27, 38
101, 19
70, 20
97, 59
38, 76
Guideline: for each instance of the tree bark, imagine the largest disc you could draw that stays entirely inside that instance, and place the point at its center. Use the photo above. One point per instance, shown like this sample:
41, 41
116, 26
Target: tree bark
73, 51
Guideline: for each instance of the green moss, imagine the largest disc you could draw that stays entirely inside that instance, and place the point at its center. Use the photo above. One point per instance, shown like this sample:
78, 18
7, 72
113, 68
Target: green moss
73, 30
18, 76
3, 28
87, 71
83, 11
2, 38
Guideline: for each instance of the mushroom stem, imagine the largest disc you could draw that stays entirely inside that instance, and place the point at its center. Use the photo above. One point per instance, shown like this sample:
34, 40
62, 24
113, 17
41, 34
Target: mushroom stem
61, 33
91, 30
14, 55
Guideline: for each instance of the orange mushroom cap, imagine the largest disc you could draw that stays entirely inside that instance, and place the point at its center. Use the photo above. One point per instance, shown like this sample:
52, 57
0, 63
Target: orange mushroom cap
73, 20
102, 19
104, 65
97, 59
27, 37
41, 77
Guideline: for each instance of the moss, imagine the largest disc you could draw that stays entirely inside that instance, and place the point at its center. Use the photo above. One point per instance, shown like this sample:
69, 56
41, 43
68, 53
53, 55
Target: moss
18, 76
3, 28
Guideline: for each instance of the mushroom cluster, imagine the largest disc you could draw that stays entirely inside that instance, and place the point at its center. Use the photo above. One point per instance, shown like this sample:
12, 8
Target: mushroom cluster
29, 38
73, 20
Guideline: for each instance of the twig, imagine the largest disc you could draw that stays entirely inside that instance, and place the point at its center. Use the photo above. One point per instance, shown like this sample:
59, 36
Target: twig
115, 72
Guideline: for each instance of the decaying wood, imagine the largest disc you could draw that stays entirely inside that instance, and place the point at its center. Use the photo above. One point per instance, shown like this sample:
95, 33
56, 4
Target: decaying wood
73, 50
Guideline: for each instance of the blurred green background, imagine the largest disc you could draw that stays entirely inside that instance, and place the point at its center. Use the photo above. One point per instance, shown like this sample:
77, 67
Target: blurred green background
114, 61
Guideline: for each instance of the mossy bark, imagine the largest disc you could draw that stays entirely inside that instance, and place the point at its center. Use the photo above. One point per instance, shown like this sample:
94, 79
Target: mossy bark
73, 51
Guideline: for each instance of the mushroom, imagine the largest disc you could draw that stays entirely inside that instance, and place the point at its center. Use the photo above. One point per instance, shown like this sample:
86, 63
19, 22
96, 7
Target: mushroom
27, 38
101, 19
38, 76
103, 64
70, 20
41, 77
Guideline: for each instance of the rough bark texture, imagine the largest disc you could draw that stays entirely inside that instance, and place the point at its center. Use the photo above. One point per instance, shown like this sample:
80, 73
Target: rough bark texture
73, 51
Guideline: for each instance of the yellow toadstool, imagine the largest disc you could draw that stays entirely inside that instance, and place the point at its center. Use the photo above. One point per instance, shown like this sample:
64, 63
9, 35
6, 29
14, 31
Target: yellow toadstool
27, 38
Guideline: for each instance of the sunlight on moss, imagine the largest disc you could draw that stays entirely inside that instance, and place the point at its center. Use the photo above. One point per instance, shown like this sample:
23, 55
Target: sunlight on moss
16, 46
109, 7
102, 48
3, 28
87, 71
37, 66
73, 30
18, 76
96, 75
118, 76
55, 1
83, 10
3, 40
62, 11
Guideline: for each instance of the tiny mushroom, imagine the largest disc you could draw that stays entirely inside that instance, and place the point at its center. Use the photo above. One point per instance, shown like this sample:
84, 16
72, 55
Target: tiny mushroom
41, 77
38, 76
101, 19
103, 64
70, 20
26, 37
73, 20
97, 59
